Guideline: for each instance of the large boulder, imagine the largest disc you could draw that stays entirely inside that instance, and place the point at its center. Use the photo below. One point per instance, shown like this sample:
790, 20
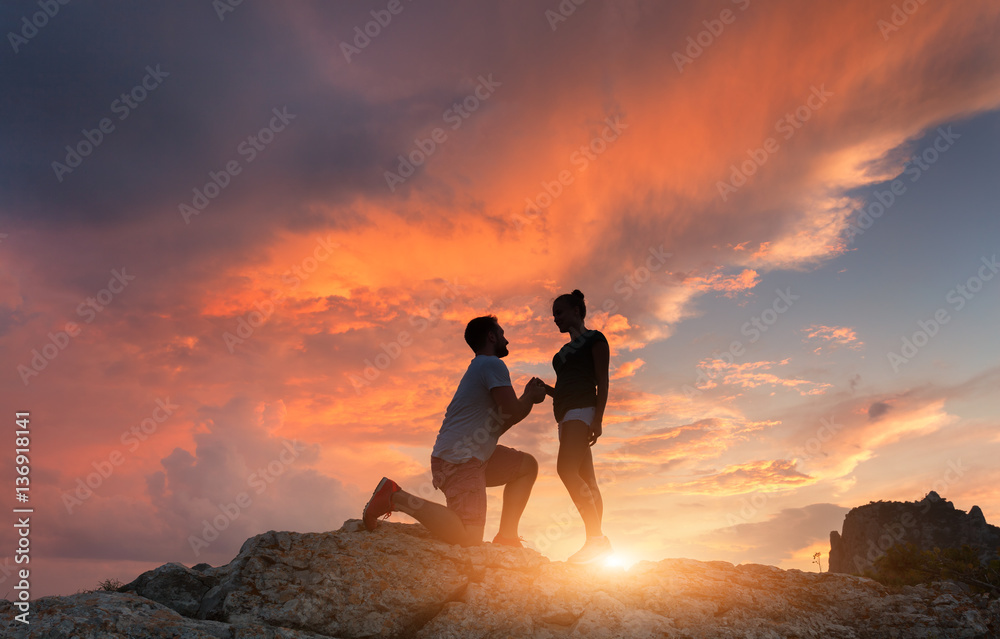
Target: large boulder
399, 582
175, 586
870, 530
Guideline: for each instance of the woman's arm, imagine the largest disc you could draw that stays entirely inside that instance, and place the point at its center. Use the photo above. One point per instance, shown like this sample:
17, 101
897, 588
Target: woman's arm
602, 360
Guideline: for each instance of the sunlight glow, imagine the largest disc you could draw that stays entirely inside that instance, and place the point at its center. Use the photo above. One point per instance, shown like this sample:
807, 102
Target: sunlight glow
618, 561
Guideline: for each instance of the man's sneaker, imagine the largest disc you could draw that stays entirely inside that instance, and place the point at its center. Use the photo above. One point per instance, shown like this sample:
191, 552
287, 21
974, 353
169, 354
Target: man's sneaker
508, 541
595, 548
380, 505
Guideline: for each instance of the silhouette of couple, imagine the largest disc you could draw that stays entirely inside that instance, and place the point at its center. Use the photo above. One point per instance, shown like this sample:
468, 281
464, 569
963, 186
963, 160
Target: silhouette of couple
467, 458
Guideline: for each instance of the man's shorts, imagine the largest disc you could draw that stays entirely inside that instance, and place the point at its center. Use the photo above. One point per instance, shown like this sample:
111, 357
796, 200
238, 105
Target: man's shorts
464, 485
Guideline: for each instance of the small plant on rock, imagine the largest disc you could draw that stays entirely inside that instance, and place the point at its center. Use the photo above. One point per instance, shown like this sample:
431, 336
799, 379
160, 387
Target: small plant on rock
818, 560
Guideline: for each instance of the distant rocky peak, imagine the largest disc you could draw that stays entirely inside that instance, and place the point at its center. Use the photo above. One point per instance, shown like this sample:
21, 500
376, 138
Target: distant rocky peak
933, 522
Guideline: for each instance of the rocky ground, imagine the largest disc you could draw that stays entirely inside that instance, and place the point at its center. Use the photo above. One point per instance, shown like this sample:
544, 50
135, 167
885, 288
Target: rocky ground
397, 582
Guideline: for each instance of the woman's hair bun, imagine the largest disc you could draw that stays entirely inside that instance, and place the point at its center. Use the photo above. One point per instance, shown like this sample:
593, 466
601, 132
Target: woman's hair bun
574, 299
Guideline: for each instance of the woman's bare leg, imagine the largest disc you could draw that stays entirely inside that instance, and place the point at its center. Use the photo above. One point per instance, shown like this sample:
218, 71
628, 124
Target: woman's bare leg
589, 476
576, 469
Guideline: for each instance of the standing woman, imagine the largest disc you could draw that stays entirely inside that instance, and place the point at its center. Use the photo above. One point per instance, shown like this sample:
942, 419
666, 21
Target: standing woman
578, 401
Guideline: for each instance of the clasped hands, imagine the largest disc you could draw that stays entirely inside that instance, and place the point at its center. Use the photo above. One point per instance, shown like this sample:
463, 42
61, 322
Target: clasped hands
536, 390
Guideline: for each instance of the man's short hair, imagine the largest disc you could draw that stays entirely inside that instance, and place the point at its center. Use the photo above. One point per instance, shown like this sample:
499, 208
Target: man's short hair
478, 330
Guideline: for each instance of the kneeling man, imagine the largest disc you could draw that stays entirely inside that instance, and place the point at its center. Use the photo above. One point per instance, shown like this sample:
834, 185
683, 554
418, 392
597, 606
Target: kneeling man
466, 457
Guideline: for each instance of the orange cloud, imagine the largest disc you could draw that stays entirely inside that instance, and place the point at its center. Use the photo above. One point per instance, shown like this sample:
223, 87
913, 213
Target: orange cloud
831, 337
753, 476
857, 430
730, 286
676, 446
628, 369
751, 375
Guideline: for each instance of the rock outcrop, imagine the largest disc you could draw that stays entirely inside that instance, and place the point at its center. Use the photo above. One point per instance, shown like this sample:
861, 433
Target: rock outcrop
930, 523
398, 582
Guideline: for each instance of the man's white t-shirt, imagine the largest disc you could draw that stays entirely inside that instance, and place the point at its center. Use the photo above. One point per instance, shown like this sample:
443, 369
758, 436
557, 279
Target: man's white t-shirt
471, 425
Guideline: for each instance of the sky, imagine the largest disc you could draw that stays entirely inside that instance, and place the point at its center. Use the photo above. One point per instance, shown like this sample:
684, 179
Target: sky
239, 244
